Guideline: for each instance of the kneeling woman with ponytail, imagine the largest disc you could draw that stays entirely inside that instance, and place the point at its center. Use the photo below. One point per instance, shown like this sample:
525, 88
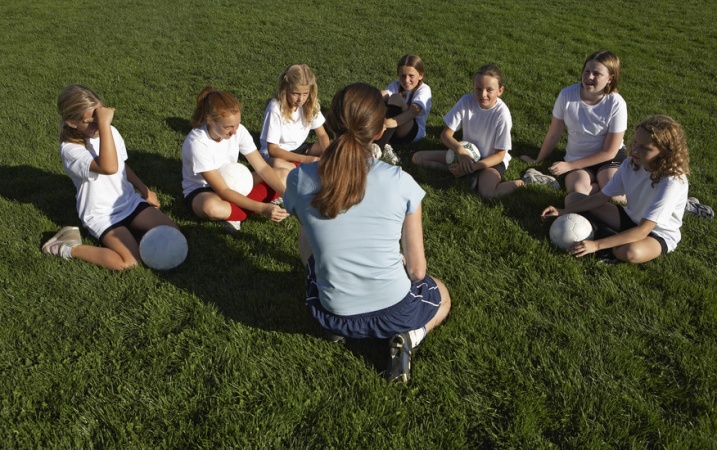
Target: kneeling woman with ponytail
362, 236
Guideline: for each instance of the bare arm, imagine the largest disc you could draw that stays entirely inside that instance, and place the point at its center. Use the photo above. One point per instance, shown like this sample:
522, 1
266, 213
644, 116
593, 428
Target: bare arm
412, 244
142, 188
608, 152
555, 132
323, 137
629, 236
106, 163
408, 115
265, 171
585, 204
277, 152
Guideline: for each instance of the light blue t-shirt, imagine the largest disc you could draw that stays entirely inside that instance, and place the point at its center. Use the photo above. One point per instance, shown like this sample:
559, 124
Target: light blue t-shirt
358, 262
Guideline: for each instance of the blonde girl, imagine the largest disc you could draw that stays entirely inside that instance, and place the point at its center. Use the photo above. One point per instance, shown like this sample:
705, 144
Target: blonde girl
355, 211
654, 180
217, 139
596, 118
290, 116
408, 102
112, 202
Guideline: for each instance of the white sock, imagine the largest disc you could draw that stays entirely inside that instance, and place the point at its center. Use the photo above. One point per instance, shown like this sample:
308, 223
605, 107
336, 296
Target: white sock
65, 252
417, 336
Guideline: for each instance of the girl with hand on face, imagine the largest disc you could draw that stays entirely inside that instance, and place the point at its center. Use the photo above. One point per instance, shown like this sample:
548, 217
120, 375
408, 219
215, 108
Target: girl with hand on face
112, 202
596, 118
217, 139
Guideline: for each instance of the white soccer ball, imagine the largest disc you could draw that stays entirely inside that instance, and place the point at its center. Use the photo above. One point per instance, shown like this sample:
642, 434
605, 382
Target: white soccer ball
163, 248
237, 177
472, 149
569, 229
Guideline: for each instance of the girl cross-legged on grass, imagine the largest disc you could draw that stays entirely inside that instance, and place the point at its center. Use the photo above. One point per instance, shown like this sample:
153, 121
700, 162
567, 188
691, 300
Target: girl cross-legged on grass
596, 118
289, 117
654, 180
216, 140
486, 123
362, 236
94, 154
408, 102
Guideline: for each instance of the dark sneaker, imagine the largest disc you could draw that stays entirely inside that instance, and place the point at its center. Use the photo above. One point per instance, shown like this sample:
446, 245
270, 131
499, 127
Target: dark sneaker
532, 176
694, 206
400, 352
66, 237
232, 226
335, 338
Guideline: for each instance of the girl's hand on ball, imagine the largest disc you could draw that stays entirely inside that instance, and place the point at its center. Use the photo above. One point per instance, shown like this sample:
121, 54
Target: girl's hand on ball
583, 248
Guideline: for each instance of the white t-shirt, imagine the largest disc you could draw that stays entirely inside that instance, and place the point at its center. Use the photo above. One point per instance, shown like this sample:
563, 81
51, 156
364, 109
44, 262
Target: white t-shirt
102, 200
201, 153
287, 134
663, 204
588, 125
420, 96
488, 129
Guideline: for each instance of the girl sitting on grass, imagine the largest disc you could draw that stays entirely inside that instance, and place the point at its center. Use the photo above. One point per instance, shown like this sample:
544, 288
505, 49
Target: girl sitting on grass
596, 118
216, 140
409, 102
654, 180
289, 117
486, 123
354, 211
93, 154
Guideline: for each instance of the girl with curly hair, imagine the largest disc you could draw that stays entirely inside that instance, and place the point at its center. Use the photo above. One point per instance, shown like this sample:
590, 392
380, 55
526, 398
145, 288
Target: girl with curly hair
654, 180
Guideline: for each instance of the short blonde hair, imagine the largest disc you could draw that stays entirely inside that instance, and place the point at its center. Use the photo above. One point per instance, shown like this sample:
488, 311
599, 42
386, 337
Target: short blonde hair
72, 103
669, 137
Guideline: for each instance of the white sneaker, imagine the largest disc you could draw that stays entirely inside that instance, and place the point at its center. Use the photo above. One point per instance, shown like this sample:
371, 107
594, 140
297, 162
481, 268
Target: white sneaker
376, 151
277, 201
62, 242
532, 176
232, 226
389, 156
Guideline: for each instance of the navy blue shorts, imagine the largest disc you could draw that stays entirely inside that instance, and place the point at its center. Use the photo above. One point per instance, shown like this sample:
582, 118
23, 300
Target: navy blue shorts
415, 310
612, 164
127, 221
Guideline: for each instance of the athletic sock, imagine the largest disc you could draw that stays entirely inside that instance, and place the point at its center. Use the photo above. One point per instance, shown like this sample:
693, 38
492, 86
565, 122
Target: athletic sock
237, 214
417, 336
66, 252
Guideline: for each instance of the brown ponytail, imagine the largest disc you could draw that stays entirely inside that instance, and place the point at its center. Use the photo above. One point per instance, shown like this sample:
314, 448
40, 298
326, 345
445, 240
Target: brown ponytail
355, 119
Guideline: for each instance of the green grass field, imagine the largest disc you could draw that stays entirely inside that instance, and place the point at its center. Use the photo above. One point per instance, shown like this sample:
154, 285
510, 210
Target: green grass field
541, 350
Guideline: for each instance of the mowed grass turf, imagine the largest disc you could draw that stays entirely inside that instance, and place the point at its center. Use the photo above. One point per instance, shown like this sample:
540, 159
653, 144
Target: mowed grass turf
541, 350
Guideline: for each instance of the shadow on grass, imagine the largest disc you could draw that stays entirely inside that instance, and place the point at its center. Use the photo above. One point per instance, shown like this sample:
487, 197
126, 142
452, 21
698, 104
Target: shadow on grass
221, 270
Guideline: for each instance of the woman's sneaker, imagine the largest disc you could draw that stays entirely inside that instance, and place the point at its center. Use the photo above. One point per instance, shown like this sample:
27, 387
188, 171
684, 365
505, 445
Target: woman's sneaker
400, 352
694, 206
532, 176
62, 242
389, 156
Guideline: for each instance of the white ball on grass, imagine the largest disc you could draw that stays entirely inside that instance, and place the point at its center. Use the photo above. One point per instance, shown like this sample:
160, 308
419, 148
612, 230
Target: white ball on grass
238, 177
163, 248
472, 149
569, 229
